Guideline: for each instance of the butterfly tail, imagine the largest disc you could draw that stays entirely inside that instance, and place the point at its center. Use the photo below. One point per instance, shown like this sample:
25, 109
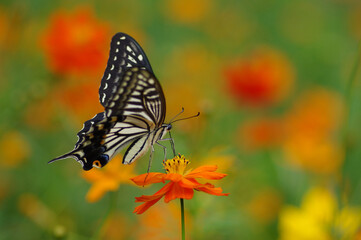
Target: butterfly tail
65, 156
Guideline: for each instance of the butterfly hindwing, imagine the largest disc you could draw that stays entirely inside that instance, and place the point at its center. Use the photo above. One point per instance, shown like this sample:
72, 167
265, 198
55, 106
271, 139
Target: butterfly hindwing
88, 127
89, 146
125, 53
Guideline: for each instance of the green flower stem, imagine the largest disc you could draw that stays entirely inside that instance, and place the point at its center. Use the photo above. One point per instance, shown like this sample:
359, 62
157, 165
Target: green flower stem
348, 95
182, 219
348, 91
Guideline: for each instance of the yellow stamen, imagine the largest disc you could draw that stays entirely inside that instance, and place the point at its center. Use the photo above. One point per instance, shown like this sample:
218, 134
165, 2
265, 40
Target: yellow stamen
176, 165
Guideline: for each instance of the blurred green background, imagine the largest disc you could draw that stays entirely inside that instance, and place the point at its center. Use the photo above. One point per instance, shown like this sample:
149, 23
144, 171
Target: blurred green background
278, 87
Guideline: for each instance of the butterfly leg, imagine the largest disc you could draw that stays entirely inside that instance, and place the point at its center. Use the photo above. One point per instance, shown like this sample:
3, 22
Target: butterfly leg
150, 159
164, 149
149, 164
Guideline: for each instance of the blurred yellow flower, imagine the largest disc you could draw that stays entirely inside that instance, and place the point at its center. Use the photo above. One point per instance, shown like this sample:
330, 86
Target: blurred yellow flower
187, 11
319, 218
14, 149
108, 178
262, 79
310, 129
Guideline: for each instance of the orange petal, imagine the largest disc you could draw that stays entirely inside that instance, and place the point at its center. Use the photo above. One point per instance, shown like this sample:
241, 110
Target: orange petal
94, 194
178, 192
160, 193
206, 172
205, 168
206, 175
142, 208
212, 190
174, 177
148, 178
188, 183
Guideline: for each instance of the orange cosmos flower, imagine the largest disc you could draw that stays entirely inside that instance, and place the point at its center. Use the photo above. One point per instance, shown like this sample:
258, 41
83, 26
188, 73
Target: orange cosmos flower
263, 79
76, 43
181, 183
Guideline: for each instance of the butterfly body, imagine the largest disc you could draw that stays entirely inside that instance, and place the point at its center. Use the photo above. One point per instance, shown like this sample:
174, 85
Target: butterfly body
134, 109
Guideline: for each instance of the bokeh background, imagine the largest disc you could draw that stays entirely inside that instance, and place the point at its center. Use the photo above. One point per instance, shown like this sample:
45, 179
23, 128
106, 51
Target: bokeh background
278, 87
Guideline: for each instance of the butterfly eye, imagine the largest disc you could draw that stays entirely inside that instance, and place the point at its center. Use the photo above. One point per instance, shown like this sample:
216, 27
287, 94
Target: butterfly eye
96, 164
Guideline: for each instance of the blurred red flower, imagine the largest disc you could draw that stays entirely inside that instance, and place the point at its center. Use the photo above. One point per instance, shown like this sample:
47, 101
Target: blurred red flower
261, 133
80, 99
181, 183
76, 42
264, 78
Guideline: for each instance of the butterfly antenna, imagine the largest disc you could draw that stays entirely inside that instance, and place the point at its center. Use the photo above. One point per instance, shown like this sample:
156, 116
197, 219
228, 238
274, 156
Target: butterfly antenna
186, 118
177, 115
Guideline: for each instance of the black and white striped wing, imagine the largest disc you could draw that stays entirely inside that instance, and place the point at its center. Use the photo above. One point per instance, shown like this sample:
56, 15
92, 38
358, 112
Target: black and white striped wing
125, 53
139, 95
101, 138
134, 113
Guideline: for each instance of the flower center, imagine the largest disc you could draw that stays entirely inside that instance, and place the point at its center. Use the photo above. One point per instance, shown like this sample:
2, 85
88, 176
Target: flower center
176, 165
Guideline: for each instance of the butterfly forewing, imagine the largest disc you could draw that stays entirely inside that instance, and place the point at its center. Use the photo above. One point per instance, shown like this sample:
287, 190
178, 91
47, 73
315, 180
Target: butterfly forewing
125, 53
144, 98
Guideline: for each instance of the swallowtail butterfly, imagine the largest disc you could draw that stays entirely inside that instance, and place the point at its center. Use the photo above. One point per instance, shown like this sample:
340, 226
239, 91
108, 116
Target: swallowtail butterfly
134, 112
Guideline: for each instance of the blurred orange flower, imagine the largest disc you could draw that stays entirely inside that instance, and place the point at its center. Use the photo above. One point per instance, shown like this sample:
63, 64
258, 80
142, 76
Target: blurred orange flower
187, 11
108, 178
111, 231
265, 206
311, 128
151, 225
44, 108
76, 42
264, 78
75, 97
14, 149
181, 185
192, 104
261, 133
218, 156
